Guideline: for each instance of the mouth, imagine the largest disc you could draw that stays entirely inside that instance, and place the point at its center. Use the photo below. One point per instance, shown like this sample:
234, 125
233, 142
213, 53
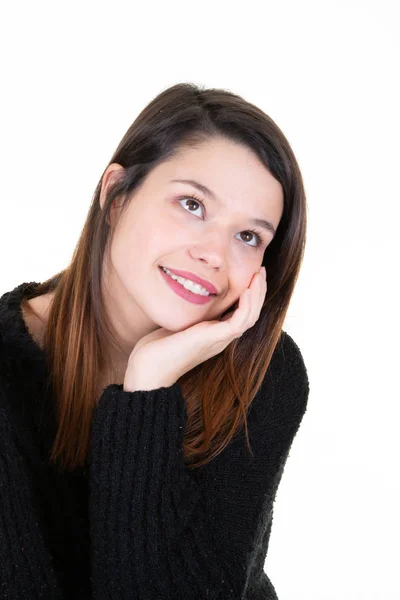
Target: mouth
206, 285
194, 295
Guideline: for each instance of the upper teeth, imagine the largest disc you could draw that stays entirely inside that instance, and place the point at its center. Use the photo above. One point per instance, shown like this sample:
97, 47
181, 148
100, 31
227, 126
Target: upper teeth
187, 283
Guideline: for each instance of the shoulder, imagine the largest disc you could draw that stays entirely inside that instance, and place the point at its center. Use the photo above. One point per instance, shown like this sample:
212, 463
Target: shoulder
290, 381
283, 396
20, 355
289, 364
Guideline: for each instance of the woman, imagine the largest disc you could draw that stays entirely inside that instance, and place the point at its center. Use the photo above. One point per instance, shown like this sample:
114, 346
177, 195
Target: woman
149, 396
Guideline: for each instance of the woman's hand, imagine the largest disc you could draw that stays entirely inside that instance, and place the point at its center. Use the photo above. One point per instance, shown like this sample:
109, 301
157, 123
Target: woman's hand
160, 358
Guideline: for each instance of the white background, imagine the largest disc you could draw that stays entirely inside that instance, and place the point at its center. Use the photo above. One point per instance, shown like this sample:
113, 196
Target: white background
75, 75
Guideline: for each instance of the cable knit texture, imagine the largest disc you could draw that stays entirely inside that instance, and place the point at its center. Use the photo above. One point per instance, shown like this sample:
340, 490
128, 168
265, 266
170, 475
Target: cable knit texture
135, 523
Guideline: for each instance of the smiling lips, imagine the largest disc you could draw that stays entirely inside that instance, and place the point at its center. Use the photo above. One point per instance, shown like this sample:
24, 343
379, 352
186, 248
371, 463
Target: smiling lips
203, 282
185, 293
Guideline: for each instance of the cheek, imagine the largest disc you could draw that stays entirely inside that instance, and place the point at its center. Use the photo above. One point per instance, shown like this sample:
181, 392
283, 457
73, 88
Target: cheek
141, 245
127, 251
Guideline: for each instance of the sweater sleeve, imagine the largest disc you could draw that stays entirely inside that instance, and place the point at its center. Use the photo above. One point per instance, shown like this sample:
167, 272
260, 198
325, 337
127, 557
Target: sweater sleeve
159, 530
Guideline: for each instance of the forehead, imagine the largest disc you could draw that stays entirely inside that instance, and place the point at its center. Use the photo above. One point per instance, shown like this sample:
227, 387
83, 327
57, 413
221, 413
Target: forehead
232, 172
223, 166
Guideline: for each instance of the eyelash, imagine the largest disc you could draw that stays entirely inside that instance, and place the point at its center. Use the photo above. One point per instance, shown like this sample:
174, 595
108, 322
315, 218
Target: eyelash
258, 234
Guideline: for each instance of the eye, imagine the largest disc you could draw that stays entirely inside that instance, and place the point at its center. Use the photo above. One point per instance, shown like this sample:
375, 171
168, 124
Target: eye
190, 201
257, 235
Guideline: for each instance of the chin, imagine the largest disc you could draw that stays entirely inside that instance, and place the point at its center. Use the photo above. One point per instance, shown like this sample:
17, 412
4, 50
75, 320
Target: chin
178, 323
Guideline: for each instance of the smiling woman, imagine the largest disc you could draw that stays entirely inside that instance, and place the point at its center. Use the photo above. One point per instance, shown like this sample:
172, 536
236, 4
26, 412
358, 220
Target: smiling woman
212, 244
132, 381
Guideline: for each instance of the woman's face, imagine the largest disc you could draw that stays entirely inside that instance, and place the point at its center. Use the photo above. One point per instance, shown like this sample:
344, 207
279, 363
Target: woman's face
174, 224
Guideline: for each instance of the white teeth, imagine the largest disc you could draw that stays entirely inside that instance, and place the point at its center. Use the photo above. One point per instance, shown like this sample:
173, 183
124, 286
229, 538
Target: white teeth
188, 284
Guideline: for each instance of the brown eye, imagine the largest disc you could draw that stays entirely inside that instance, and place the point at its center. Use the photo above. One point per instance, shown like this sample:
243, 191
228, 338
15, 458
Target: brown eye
189, 201
248, 233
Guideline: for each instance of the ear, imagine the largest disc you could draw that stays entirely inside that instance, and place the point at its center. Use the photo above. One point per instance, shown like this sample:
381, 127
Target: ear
110, 176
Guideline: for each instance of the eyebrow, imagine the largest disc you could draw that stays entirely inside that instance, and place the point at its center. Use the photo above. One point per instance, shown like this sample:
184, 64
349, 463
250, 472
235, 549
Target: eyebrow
207, 192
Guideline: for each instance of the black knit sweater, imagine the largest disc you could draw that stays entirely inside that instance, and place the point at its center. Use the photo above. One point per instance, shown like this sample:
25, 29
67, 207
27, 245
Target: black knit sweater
135, 522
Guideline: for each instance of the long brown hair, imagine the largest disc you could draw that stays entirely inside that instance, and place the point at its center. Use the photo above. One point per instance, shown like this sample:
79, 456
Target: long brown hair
219, 391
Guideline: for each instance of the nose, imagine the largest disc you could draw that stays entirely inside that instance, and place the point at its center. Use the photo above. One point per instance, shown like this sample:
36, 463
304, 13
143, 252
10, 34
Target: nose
212, 251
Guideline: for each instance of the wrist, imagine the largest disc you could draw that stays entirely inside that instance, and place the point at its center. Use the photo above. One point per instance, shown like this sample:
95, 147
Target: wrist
143, 374
134, 382
145, 386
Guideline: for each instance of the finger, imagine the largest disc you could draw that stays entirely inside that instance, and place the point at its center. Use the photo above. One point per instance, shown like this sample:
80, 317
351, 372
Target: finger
258, 289
255, 300
262, 288
247, 312
241, 316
